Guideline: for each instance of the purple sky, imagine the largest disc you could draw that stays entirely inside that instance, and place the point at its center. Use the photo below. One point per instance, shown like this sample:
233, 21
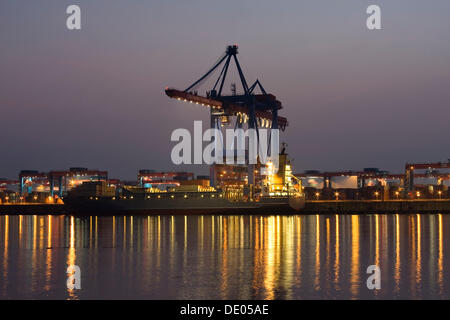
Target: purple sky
95, 97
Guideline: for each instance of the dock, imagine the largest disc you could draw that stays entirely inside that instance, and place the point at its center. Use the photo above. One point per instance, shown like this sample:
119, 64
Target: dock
377, 206
32, 209
311, 207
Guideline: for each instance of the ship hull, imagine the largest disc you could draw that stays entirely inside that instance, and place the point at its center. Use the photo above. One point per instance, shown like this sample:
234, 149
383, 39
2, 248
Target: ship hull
178, 207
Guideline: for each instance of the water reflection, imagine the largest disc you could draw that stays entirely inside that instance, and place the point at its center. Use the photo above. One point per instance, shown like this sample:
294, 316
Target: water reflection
355, 267
336, 255
225, 257
71, 256
397, 254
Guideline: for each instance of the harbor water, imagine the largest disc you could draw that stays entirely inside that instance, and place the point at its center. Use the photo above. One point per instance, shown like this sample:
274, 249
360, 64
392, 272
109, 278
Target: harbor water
225, 257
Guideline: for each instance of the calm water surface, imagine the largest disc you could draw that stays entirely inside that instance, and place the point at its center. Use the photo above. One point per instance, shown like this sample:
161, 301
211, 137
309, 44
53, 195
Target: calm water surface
225, 257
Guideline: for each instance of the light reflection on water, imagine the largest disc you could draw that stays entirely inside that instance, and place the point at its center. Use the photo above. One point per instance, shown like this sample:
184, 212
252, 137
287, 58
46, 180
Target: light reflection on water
225, 257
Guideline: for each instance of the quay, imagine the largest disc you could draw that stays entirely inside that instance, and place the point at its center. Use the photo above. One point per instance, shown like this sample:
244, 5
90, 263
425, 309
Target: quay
32, 209
376, 206
311, 207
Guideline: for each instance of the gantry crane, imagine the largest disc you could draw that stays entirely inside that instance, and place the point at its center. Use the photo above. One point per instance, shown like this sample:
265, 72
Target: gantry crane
255, 110
410, 167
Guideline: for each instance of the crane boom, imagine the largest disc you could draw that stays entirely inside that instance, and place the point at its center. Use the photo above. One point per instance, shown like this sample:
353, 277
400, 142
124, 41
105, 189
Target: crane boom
224, 106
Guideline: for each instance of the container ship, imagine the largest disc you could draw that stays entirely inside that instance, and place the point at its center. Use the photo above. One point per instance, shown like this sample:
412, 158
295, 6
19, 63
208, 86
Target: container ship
276, 193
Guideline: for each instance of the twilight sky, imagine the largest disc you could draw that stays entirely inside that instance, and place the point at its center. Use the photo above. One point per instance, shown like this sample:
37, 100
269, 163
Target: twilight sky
95, 97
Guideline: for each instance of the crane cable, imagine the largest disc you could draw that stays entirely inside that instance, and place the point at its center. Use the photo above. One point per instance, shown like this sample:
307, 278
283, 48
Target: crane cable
210, 74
